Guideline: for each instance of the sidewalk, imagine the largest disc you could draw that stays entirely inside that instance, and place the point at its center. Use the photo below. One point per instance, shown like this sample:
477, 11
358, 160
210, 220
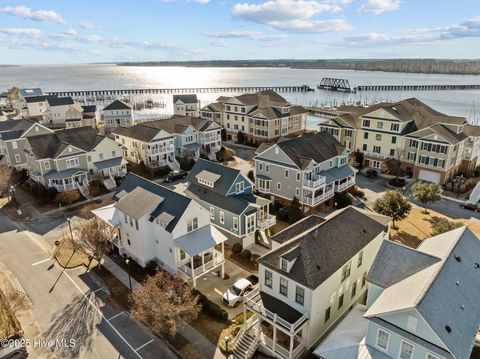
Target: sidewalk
192, 335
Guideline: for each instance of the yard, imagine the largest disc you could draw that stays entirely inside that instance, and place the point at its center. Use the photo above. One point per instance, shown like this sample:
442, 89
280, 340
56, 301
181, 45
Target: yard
8, 325
418, 226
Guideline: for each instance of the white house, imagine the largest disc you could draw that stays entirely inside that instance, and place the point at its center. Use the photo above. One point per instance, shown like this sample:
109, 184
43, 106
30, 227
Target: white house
422, 303
186, 105
154, 223
118, 114
310, 281
59, 110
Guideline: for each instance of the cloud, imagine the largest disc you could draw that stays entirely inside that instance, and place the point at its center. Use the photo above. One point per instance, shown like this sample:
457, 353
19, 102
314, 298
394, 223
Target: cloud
203, 2
39, 15
23, 32
245, 34
470, 28
219, 43
174, 50
379, 6
73, 35
87, 25
293, 15
41, 45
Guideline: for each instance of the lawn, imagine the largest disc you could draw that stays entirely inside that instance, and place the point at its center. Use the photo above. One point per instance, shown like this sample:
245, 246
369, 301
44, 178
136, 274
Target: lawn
69, 258
418, 226
8, 326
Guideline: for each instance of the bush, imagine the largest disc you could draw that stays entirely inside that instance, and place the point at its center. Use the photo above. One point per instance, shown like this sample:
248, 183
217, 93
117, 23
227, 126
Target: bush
254, 257
342, 200
237, 248
240, 137
246, 254
68, 197
397, 182
443, 225
358, 192
225, 154
211, 308
186, 164
151, 267
251, 176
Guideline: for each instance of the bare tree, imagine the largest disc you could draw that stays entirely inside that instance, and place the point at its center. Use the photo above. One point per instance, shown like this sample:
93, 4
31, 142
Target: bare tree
162, 301
6, 179
95, 236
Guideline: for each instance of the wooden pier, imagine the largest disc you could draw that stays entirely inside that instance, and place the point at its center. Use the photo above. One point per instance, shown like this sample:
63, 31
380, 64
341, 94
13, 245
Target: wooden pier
325, 112
167, 91
415, 87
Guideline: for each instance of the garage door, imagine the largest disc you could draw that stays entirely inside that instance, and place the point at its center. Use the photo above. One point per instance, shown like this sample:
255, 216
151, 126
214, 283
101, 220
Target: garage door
429, 176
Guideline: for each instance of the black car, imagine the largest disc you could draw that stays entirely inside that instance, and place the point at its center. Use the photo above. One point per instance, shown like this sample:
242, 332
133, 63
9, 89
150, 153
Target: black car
176, 175
470, 206
371, 173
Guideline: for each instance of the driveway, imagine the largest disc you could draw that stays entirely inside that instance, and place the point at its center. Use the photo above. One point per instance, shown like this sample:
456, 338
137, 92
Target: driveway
213, 286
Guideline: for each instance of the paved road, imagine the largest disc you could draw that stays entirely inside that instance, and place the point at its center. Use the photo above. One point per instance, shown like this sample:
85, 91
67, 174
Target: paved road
71, 304
374, 187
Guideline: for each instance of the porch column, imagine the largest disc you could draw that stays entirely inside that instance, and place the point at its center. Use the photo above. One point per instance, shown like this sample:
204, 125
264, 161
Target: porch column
274, 341
222, 271
193, 275
291, 346
63, 183
203, 260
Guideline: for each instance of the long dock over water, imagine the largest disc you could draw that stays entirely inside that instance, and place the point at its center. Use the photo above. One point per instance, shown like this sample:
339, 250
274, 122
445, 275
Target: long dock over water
415, 87
117, 92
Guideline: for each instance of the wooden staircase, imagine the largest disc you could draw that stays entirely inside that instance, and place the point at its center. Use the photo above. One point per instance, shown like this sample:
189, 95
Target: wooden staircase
246, 342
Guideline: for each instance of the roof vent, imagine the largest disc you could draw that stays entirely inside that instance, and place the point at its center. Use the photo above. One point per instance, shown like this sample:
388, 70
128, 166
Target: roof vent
318, 267
476, 265
364, 231
448, 329
462, 307
458, 259
457, 283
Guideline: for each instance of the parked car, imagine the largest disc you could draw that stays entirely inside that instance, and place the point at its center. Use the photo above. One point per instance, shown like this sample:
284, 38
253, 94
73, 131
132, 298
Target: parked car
14, 352
176, 175
471, 206
234, 295
371, 173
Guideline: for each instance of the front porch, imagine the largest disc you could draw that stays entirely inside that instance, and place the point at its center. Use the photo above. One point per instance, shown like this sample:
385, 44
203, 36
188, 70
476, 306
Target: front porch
279, 330
200, 252
264, 219
114, 167
67, 180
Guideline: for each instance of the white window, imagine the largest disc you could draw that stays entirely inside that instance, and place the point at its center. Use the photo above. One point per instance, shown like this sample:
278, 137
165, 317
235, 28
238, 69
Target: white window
382, 339
299, 176
239, 187
260, 166
379, 125
192, 224
286, 173
267, 168
222, 217
46, 165
346, 270
284, 264
17, 159
72, 162
235, 223
14, 145
297, 191
360, 259
375, 164
406, 350
205, 182
250, 223
212, 213
279, 186
100, 156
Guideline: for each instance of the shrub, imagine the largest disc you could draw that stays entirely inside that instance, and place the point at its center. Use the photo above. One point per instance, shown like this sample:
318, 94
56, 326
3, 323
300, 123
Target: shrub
294, 211
342, 200
246, 254
251, 176
240, 137
358, 192
397, 182
443, 225
237, 248
211, 308
68, 197
151, 267
225, 154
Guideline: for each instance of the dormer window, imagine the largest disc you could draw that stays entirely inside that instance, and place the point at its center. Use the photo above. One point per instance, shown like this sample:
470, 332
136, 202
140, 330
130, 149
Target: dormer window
239, 187
284, 264
192, 224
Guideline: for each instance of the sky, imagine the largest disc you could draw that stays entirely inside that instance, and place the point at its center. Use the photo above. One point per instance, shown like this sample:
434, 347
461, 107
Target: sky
86, 31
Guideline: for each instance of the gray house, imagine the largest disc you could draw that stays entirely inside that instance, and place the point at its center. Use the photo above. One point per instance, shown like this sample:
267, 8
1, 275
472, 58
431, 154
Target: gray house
228, 195
311, 168
422, 303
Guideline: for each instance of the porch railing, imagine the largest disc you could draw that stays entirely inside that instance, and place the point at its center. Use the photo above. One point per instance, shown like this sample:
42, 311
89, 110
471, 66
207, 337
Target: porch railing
266, 222
343, 186
312, 201
315, 182
216, 260
254, 303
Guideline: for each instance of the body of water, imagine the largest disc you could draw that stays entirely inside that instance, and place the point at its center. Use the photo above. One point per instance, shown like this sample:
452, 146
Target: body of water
104, 77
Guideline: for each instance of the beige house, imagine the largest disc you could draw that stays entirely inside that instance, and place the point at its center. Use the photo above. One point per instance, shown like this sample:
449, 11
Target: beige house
263, 116
431, 145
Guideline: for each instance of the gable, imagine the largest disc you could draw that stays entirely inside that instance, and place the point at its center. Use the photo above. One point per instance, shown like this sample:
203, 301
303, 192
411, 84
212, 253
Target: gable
35, 130
70, 150
381, 113
108, 145
160, 135
275, 153
247, 185
233, 101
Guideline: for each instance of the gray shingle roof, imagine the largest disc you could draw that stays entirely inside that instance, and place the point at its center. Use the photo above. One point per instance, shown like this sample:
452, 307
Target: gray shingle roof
223, 184
304, 225
174, 204
319, 147
185, 98
59, 101
118, 105
138, 202
139, 132
395, 262
327, 247
232, 204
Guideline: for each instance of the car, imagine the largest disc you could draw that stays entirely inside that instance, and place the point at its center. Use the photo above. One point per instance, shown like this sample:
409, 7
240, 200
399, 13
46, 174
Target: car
176, 175
234, 295
371, 173
14, 352
471, 206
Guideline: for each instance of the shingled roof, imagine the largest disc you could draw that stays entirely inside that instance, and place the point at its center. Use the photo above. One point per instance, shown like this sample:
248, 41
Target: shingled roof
223, 184
191, 98
320, 146
118, 105
328, 246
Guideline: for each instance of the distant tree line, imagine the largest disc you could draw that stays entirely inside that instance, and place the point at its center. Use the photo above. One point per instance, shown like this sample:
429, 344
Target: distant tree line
429, 66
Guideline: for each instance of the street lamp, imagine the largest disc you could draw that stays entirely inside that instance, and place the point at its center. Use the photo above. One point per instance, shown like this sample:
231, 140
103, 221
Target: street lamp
127, 262
69, 220
226, 346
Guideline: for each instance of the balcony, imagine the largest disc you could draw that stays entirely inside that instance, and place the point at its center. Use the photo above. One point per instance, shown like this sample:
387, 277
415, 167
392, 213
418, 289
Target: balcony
254, 303
315, 200
315, 181
199, 268
160, 150
375, 154
209, 139
266, 222
340, 187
